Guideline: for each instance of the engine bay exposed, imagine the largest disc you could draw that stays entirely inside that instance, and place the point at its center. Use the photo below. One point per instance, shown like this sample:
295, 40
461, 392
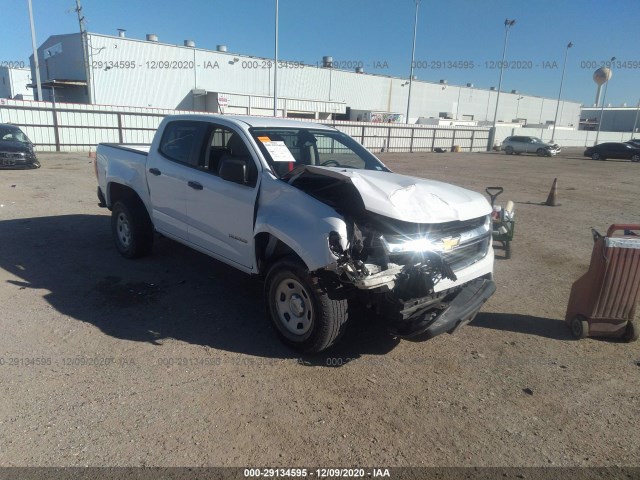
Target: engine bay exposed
381, 254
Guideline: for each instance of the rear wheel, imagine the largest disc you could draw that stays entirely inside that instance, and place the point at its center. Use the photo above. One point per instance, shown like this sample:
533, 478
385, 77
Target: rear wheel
306, 316
508, 150
131, 228
579, 327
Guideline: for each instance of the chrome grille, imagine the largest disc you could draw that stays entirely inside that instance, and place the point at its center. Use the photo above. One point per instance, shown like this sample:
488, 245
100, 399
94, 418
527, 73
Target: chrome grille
460, 243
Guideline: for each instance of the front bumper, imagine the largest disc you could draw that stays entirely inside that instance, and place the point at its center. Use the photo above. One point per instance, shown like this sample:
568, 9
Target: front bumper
22, 165
458, 311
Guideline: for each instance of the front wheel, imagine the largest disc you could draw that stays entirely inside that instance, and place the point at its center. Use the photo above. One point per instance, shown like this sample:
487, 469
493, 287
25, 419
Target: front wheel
306, 316
132, 229
579, 327
541, 152
635, 158
508, 150
595, 156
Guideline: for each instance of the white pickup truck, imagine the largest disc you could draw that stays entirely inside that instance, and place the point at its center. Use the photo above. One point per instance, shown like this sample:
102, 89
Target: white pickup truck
313, 213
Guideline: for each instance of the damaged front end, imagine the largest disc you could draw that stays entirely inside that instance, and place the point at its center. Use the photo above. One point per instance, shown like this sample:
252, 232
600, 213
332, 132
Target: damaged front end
402, 275
425, 278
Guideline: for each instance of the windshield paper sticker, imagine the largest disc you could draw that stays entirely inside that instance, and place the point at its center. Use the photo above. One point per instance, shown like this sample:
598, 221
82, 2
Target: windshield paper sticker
279, 151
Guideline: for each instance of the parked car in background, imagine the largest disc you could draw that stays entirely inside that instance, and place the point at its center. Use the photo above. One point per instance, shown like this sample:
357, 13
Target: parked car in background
613, 150
520, 144
16, 150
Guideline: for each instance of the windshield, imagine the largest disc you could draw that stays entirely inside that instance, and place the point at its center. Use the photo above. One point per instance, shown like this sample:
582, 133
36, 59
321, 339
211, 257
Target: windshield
286, 148
12, 134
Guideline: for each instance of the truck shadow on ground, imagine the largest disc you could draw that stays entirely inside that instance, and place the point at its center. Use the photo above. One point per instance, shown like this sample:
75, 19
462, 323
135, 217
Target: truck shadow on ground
176, 293
510, 322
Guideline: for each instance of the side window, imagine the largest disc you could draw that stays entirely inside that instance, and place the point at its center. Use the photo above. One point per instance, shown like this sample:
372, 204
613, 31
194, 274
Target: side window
227, 146
218, 147
182, 141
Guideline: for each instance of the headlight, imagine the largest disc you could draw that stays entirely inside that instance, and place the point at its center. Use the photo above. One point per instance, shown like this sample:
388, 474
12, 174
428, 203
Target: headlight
434, 242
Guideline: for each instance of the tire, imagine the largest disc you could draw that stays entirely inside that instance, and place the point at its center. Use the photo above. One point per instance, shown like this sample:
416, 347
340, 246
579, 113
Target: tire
541, 152
632, 332
131, 228
595, 156
306, 316
579, 327
508, 150
635, 158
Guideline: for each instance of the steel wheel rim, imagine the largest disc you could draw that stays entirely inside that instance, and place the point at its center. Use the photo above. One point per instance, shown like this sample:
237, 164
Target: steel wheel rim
294, 307
123, 230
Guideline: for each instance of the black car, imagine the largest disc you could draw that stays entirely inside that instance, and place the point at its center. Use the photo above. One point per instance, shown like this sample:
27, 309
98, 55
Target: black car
634, 142
16, 150
613, 150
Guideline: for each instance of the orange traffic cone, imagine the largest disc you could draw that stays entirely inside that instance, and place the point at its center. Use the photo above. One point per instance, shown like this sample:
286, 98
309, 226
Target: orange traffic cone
552, 199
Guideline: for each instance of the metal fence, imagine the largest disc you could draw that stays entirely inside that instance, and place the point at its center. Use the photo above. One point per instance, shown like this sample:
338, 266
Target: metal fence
78, 127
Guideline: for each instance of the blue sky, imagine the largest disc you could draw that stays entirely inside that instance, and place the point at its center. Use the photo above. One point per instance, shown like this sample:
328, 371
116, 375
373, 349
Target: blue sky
378, 33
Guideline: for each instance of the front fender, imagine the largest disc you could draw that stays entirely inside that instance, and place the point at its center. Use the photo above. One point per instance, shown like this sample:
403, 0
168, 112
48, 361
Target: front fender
300, 221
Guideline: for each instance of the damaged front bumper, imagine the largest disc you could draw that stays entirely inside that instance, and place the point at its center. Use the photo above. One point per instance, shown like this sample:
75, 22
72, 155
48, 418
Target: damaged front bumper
424, 307
445, 314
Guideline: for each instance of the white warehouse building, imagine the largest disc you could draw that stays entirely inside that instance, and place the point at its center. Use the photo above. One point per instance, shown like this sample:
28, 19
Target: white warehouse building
14, 81
146, 73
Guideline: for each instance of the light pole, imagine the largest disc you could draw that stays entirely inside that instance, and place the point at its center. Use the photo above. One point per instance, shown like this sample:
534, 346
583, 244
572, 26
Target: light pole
35, 52
564, 65
518, 105
413, 57
604, 97
507, 26
275, 69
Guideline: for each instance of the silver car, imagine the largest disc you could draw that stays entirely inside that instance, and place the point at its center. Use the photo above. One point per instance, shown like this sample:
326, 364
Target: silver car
522, 144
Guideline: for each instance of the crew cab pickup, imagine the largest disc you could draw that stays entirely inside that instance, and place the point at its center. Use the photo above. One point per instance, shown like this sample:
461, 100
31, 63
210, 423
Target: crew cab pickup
313, 213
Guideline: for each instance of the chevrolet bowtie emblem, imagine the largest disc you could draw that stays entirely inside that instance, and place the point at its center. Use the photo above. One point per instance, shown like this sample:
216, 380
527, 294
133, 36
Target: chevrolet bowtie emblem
450, 243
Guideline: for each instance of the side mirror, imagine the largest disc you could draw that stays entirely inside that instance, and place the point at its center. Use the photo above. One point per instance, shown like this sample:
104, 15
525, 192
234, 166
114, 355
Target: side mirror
234, 170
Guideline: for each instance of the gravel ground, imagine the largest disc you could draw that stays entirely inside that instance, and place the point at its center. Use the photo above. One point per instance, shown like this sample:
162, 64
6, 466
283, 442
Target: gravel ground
169, 360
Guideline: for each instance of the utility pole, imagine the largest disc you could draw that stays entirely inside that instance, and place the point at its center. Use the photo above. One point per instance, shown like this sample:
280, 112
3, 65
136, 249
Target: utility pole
413, 58
85, 50
35, 52
275, 69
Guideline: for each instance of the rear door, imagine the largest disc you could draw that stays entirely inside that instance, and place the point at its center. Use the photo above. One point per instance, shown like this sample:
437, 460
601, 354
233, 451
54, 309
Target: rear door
167, 175
221, 212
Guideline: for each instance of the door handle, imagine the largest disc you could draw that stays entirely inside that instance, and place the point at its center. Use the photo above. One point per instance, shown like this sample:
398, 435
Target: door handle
154, 171
195, 185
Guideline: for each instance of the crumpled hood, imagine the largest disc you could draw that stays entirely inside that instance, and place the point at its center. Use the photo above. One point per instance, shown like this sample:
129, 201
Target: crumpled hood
411, 199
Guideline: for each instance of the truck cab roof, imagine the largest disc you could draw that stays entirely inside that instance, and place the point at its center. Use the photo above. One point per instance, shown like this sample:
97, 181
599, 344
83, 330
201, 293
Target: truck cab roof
252, 121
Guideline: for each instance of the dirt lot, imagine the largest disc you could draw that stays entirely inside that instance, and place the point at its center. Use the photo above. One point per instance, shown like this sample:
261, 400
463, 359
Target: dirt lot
169, 360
